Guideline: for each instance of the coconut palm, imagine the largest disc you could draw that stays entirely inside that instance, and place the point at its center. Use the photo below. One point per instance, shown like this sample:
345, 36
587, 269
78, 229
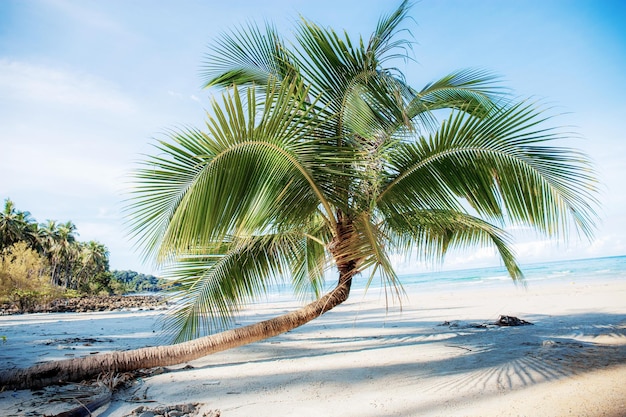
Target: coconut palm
47, 237
60, 246
319, 156
94, 260
15, 226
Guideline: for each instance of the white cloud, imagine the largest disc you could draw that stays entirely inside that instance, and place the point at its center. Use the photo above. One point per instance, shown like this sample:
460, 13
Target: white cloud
111, 233
25, 82
87, 15
68, 172
175, 94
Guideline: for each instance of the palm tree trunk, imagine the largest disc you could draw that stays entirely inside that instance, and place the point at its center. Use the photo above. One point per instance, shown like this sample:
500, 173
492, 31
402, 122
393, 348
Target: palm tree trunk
78, 369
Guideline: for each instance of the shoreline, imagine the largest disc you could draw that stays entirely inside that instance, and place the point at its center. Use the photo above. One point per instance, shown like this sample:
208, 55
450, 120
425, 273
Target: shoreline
90, 303
362, 359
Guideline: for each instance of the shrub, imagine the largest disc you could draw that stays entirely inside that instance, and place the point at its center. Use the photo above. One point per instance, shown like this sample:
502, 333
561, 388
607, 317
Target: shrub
24, 277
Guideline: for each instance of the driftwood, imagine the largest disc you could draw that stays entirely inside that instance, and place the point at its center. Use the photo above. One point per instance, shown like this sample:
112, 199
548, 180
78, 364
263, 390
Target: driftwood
107, 384
511, 321
84, 410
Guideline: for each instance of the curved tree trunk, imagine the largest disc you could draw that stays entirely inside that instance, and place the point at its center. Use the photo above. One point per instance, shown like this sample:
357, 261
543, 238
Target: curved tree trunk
78, 369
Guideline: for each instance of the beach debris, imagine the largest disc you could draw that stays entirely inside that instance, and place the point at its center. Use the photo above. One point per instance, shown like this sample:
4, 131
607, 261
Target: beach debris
85, 341
71, 400
84, 409
459, 347
456, 324
502, 321
511, 321
158, 371
564, 344
180, 410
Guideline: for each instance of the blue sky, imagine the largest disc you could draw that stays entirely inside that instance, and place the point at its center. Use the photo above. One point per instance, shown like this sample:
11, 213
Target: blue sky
86, 85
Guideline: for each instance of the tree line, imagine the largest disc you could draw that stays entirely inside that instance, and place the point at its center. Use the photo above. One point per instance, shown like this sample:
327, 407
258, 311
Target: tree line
39, 261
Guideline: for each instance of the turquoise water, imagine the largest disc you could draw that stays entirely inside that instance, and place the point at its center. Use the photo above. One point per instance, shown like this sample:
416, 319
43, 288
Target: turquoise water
562, 272
582, 270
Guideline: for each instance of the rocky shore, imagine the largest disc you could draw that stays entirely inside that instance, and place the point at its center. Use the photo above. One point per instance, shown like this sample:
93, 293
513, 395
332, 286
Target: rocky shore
93, 303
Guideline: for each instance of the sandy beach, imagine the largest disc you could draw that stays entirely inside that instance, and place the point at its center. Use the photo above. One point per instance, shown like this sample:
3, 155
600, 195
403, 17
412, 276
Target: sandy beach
437, 356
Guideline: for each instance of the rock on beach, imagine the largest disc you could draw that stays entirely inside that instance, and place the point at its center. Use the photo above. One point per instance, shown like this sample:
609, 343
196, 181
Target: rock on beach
93, 303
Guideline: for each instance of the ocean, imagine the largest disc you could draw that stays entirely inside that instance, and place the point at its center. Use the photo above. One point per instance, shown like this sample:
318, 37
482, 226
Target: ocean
561, 272
579, 271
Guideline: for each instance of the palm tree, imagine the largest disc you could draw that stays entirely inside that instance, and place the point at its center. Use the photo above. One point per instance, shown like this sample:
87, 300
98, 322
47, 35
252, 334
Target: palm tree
48, 235
58, 243
94, 260
320, 156
65, 251
15, 226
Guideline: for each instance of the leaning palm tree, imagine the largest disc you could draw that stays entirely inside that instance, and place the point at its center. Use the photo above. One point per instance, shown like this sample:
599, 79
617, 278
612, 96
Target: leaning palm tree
320, 157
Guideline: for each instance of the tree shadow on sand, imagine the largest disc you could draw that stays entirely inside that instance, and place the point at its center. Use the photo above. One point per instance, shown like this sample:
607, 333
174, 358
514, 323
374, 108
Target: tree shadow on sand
440, 364
474, 357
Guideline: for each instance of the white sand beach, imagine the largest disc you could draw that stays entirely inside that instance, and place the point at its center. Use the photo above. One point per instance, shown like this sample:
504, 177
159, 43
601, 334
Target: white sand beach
429, 359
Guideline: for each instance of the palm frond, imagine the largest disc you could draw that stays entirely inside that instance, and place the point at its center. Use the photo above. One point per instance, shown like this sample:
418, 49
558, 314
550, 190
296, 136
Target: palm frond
382, 46
434, 232
232, 180
213, 282
160, 184
473, 91
502, 166
247, 56
327, 61
376, 257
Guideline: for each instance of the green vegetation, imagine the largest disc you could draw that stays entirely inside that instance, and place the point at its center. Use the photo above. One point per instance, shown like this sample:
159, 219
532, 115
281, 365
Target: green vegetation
40, 262
123, 282
24, 277
70, 264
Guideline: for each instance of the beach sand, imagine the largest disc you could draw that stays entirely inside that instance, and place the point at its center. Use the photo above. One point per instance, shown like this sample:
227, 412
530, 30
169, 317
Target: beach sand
437, 356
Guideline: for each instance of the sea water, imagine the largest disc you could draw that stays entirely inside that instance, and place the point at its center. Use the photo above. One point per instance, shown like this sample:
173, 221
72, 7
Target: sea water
561, 272
579, 271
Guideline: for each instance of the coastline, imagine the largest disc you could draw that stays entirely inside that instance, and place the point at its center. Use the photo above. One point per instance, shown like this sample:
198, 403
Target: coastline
427, 358
90, 303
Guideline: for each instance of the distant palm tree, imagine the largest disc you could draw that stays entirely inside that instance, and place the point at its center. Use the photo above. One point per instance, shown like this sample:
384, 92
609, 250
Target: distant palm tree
59, 245
319, 156
15, 226
67, 250
47, 236
93, 260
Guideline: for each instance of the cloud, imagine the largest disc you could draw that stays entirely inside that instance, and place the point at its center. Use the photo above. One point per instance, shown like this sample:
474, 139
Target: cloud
67, 140
175, 94
111, 232
64, 132
86, 15
22, 82
67, 172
